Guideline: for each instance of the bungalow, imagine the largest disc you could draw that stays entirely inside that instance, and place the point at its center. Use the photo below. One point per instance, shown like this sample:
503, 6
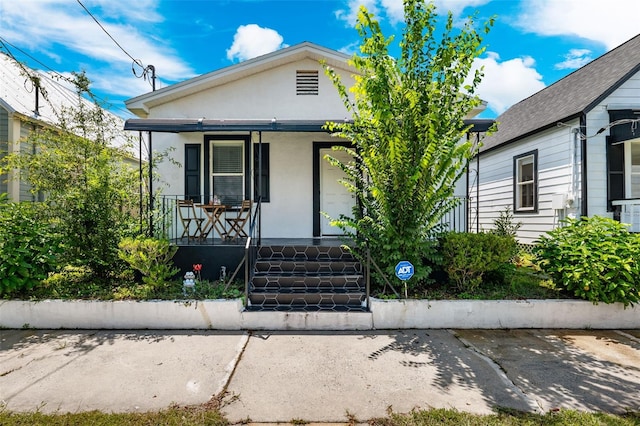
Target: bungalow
215, 124
254, 131
570, 150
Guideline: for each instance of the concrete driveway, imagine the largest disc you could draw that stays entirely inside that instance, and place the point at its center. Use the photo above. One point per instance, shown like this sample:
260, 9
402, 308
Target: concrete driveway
320, 376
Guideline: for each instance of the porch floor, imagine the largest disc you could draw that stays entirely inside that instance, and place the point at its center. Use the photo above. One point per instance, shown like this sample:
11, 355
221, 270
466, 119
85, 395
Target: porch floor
240, 242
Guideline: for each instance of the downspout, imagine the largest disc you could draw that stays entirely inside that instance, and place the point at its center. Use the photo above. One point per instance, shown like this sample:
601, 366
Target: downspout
259, 211
478, 193
583, 160
574, 189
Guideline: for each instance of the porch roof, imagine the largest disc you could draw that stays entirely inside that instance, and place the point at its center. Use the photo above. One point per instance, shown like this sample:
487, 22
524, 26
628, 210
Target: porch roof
185, 125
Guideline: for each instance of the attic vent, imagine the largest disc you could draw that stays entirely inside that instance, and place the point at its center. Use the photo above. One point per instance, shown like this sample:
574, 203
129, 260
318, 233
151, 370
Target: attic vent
306, 82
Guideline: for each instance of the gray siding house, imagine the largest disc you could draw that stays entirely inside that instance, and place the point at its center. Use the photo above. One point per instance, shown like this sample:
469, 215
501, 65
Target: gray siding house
570, 150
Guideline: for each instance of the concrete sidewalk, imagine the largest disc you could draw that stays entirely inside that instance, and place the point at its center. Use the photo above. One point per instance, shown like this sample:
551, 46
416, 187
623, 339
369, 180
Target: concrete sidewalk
320, 376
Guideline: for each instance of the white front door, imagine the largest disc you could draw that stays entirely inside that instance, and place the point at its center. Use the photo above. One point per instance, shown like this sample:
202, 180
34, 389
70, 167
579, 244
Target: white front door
335, 199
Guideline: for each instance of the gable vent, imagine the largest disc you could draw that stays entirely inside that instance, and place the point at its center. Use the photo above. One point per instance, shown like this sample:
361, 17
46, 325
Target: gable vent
306, 82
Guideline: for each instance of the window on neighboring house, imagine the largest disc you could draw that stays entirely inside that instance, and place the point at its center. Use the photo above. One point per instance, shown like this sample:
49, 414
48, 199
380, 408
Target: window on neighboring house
306, 82
526, 182
261, 172
633, 169
228, 171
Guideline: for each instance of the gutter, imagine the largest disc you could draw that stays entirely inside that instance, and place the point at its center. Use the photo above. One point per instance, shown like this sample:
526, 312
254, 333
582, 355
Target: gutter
583, 160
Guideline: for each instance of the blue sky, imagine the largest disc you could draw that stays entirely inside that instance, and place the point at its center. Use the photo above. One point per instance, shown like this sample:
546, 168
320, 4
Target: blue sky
532, 44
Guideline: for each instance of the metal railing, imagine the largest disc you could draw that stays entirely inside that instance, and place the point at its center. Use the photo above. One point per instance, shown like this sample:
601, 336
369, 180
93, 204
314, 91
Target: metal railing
167, 220
254, 239
628, 211
456, 218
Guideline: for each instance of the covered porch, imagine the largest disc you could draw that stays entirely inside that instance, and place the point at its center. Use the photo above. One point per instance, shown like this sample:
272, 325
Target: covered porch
279, 162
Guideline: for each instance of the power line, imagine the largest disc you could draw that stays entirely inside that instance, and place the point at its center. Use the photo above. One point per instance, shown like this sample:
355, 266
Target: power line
107, 33
150, 69
4, 43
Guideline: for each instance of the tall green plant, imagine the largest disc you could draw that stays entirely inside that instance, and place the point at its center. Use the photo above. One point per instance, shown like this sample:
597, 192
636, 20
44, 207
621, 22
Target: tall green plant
408, 132
90, 193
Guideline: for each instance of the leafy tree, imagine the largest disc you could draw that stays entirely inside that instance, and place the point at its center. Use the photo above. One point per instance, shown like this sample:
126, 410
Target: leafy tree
408, 133
90, 193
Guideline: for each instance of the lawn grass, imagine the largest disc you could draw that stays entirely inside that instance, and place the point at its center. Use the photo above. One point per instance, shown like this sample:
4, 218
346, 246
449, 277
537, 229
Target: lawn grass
200, 416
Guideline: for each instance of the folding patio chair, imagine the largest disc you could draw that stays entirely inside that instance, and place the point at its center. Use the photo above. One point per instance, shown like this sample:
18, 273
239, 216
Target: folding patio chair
187, 213
236, 224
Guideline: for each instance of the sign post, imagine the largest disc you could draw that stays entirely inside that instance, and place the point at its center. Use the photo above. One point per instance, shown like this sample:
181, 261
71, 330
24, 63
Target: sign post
404, 271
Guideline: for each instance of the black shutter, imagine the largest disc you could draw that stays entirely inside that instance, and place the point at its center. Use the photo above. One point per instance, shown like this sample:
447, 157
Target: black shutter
264, 178
192, 172
615, 172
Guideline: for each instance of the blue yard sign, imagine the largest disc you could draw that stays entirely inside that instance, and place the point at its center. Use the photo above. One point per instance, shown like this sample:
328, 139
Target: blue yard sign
404, 270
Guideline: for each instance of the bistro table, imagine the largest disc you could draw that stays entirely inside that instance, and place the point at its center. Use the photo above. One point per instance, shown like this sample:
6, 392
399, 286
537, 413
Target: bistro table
214, 213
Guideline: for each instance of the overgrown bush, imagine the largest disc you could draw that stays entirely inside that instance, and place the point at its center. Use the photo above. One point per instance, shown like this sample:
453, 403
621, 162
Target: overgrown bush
467, 257
151, 257
29, 249
595, 258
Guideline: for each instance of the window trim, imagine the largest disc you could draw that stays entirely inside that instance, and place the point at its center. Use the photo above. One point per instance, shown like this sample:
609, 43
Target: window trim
516, 183
207, 163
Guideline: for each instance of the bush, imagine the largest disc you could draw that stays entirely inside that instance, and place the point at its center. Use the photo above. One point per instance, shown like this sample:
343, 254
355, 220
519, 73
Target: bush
595, 258
29, 249
151, 257
467, 257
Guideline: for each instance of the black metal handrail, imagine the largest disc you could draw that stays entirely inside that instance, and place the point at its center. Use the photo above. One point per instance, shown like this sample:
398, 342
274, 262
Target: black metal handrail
250, 250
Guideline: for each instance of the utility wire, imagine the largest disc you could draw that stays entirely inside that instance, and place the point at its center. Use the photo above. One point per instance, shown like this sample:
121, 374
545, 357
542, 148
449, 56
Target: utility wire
145, 70
30, 73
107, 33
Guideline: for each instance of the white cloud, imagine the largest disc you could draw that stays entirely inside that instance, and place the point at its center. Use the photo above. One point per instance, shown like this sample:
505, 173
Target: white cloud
608, 22
350, 14
576, 58
456, 6
393, 10
55, 23
507, 82
252, 40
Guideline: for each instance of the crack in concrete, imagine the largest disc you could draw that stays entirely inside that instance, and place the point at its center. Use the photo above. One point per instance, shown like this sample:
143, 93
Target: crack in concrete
533, 404
231, 367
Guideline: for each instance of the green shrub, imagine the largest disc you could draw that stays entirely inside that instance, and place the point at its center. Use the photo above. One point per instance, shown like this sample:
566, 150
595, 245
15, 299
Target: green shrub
595, 258
467, 257
152, 257
504, 224
29, 249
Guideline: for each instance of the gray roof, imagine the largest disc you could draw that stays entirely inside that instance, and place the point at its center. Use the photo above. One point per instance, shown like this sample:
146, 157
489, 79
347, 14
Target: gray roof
569, 97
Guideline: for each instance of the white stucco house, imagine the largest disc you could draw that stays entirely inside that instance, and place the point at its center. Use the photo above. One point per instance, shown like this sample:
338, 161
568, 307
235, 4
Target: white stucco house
571, 149
217, 122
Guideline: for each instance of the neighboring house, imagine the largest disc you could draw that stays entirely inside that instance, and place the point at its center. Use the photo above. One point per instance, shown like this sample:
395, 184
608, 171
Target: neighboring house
24, 108
570, 150
217, 122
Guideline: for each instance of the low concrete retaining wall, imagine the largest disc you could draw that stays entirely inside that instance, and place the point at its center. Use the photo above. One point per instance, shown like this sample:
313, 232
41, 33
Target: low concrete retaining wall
385, 314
